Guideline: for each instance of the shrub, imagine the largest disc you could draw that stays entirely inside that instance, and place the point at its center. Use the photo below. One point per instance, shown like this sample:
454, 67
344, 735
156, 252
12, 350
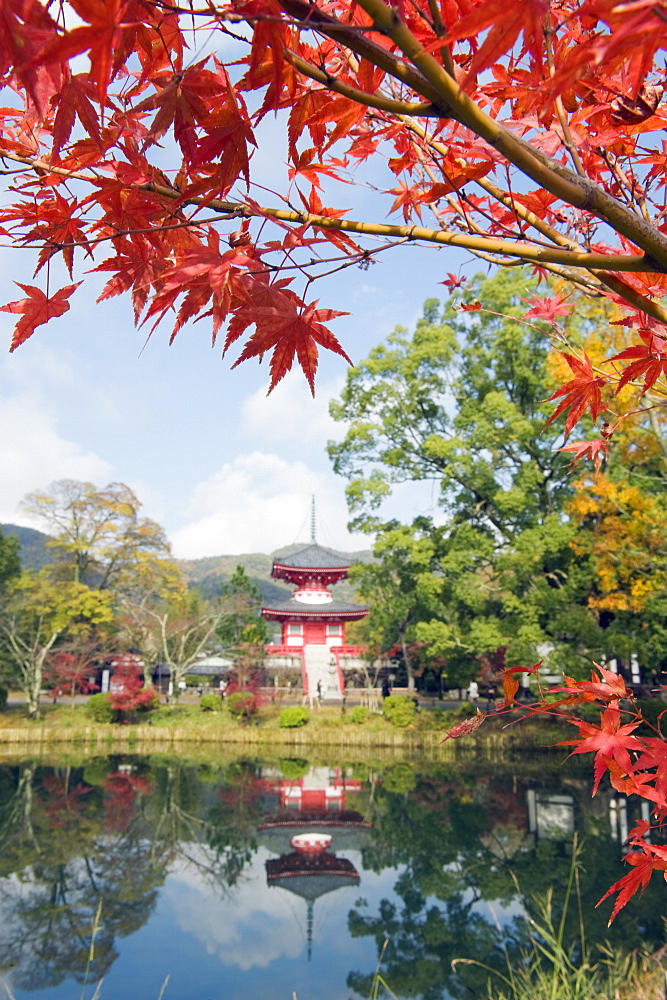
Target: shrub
210, 703
293, 768
359, 714
99, 708
242, 704
399, 709
293, 717
145, 702
399, 779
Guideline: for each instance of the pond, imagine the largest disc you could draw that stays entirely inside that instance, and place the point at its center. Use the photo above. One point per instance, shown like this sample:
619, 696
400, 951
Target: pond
202, 879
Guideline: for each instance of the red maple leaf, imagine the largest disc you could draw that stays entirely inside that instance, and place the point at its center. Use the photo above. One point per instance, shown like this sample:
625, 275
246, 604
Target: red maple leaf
610, 739
595, 450
607, 687
74, 100
286, 326
632, 784
37, 308
580, 394
105, 36
651, 858
548, 308
453, 281
511, 684
510, 688
650, 360
465, 728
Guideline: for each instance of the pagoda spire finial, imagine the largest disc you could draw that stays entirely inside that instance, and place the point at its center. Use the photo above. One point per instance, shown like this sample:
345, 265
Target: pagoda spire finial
313, 537
309, 928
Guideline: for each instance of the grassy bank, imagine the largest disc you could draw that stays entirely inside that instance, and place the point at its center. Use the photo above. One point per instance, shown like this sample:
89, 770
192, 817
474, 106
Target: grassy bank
177, 726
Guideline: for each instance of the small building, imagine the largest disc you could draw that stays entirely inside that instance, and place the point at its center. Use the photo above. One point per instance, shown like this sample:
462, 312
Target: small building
313, 621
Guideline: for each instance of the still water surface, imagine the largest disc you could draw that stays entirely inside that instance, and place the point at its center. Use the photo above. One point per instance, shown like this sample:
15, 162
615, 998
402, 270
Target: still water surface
131, 870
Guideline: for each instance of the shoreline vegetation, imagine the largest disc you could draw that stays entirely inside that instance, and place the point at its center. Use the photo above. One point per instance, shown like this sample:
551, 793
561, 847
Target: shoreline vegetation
183, 725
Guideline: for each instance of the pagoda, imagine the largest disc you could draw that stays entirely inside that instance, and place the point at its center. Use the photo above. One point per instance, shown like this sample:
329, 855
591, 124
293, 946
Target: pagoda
311, 825
313, 620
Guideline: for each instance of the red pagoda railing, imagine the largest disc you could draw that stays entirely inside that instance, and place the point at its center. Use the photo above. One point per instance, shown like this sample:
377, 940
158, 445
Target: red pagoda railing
348, 650
281, 650
338, 651
275, 650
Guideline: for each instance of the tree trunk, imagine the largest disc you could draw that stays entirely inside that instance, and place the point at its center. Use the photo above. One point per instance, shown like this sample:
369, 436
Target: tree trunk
33, 676
408, 667
32, 691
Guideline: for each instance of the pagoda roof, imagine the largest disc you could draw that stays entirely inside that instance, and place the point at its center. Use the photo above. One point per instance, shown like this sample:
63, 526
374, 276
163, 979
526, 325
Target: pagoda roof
310, 876
312, 556
340, 610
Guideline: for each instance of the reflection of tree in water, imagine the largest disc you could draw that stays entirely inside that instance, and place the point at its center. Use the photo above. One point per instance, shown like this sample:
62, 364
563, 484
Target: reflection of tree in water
233, 818
72, 839
67, 858
211, 827
457, 843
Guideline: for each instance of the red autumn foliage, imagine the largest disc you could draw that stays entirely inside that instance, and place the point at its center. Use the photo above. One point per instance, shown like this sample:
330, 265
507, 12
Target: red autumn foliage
525, 134
129, 694
70, 673
121, 794
635, 764
63, 801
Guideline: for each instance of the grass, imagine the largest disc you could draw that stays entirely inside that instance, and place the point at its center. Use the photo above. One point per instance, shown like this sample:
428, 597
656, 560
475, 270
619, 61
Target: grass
327, 724
553, 968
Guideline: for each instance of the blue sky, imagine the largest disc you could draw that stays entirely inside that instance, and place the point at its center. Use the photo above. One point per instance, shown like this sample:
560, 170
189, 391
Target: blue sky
223, 468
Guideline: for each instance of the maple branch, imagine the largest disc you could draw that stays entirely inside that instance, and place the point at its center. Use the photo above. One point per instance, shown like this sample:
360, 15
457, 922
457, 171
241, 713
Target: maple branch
440, 30
637, 263
316, 20
568, 139
615, 284
360, 96
554, 177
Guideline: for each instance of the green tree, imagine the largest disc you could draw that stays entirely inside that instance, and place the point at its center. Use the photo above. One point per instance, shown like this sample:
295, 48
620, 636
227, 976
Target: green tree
399, 587
461, 403
10, 562
36, 612
245, 627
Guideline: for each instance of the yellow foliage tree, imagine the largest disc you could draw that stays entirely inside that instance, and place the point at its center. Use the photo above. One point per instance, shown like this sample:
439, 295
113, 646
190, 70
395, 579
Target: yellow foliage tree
624, 533
98, 534
37, 611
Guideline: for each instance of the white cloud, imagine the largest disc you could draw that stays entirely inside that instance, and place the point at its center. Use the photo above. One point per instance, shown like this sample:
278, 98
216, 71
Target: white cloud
255, 924
33, 454
290, 414
259, 502
248, 929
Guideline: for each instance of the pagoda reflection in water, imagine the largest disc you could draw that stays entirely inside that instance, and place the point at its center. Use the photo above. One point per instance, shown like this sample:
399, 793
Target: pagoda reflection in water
311, 824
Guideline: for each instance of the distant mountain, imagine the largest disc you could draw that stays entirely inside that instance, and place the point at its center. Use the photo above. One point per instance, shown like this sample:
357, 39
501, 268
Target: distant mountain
34, 552
208, 574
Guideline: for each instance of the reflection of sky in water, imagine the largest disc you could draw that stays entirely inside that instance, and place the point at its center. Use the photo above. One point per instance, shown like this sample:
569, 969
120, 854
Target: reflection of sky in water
251, 942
